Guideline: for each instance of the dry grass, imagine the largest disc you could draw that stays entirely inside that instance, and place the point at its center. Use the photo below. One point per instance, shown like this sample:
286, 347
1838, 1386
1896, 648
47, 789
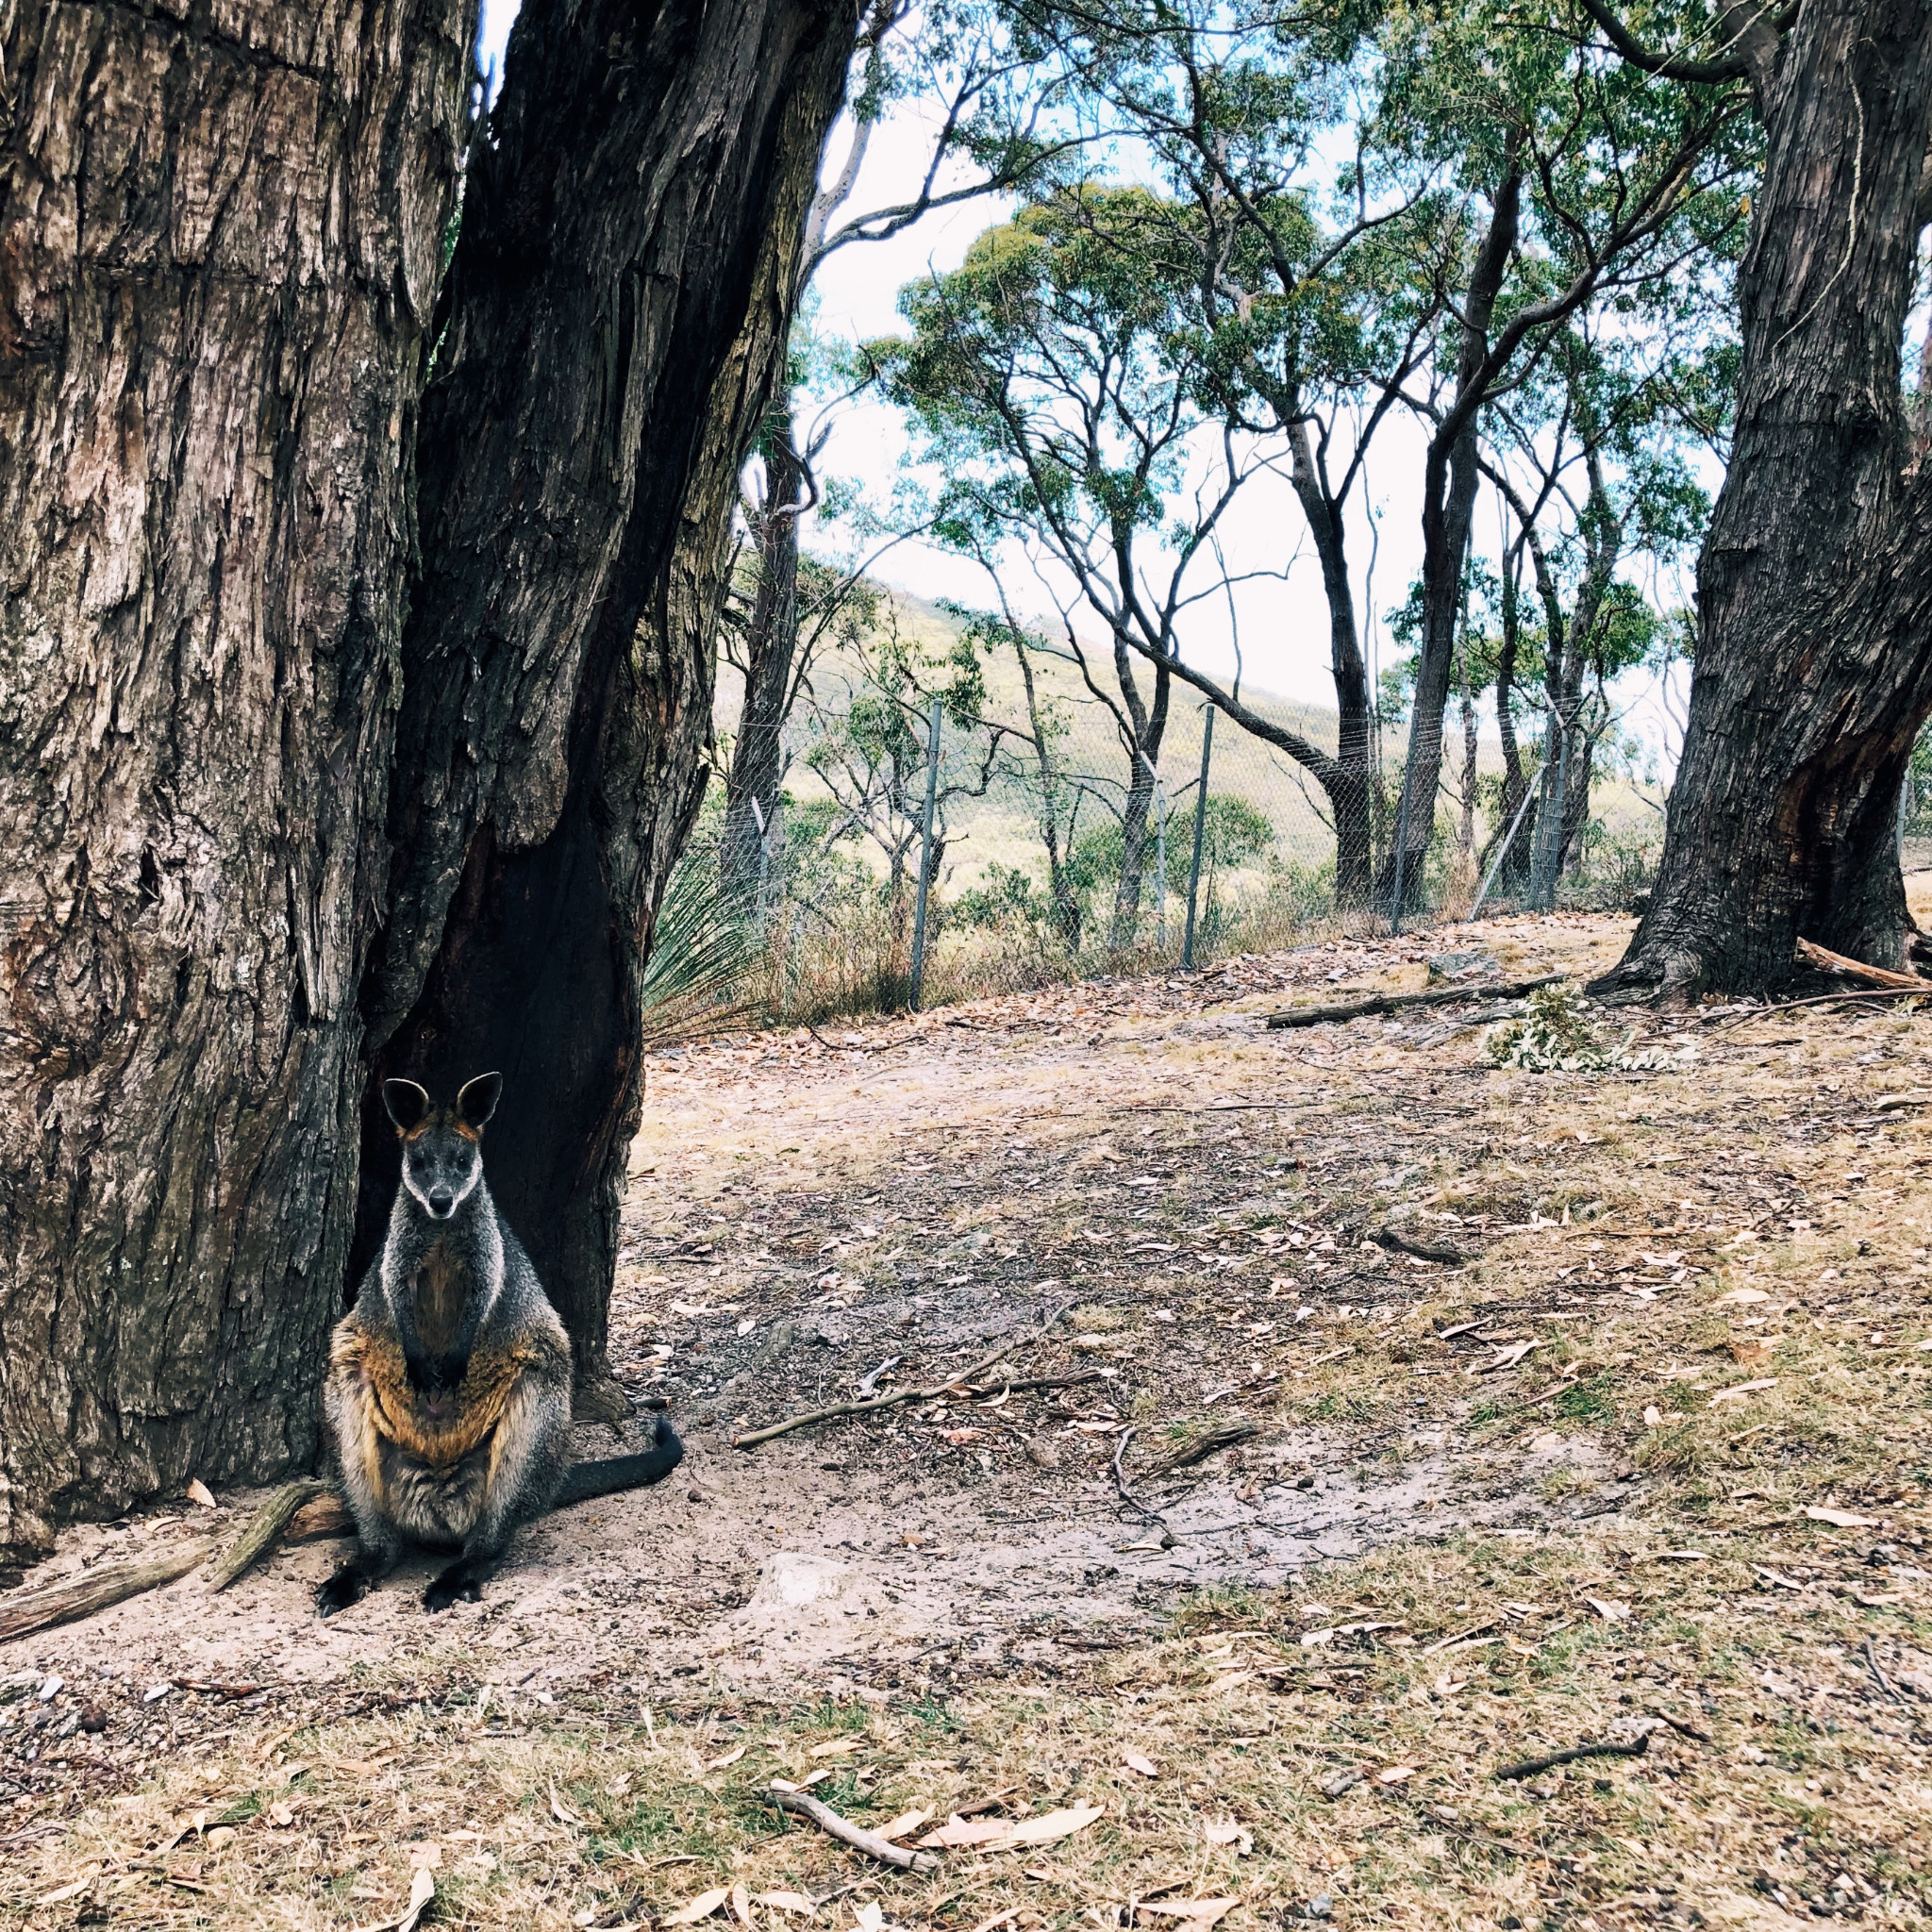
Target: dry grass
1781, 1660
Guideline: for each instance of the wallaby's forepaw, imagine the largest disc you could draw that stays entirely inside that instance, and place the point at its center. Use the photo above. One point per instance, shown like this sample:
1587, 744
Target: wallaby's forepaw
458, 1583
349, 1586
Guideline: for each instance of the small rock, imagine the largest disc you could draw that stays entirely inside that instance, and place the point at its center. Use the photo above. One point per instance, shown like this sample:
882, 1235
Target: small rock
1343, 1781
1319, 1907
50, 1689
93, 1718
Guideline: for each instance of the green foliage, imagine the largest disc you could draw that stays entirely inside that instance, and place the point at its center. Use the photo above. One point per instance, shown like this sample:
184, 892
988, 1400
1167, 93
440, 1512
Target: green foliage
1557, 1035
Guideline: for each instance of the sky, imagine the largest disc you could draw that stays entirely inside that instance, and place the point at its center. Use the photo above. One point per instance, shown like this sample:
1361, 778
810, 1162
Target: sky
1279, 620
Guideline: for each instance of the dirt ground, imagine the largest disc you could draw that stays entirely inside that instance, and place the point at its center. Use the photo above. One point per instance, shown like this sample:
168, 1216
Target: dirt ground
1498, 1399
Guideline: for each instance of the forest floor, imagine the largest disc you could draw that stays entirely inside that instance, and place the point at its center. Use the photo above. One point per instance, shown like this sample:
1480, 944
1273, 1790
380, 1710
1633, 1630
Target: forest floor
1642, 1458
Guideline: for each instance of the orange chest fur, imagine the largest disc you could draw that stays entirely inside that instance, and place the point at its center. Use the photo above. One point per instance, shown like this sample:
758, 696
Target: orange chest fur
399, 1416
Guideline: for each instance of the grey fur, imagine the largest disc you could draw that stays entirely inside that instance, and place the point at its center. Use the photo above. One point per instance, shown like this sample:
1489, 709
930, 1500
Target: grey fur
500, 1354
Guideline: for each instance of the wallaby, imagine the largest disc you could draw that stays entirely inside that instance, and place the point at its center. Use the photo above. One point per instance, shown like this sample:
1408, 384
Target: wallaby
449, 1382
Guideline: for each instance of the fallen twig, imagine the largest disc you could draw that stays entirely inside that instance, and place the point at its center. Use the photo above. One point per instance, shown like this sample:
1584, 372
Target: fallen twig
1826, 999
1871, 1663
1398, 1002
1530, 1766
1683, 1730
803, 1805
1423, 1251
1199, 1447
834, 1411
96, 1589
259, 1533
1119, 1477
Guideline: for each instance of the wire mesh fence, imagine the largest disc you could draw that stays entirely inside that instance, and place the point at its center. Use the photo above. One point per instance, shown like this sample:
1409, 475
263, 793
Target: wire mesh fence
966, 858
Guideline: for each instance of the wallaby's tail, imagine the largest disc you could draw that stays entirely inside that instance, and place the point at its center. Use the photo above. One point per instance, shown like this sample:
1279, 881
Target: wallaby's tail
616, 1473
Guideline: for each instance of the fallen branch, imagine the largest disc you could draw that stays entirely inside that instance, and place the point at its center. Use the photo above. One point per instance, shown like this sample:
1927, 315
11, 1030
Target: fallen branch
1200, 1446
1530, 1766
836, 1411
803, 1805
113, 1583
1423, 1251
1119, 1477
1399, 1002
1826, 960
1918, 991
262, 1530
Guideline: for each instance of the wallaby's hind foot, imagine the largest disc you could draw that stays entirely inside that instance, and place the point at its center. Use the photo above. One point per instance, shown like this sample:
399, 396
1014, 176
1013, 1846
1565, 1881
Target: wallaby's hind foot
461, 1583
350, 1583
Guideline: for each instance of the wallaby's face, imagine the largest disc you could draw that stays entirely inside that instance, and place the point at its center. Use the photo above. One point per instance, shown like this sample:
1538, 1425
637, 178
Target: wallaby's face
443, 1146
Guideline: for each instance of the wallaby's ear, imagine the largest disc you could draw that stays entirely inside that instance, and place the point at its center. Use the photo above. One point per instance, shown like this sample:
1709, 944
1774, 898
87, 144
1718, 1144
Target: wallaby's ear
477, 1101
407, 1102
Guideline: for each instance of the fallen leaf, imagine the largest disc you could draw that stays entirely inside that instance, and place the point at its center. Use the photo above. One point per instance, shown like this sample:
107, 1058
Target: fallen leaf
587, 1916
1317, 1639
1653, 1416
958, 1436
957, 1833
422, 1890
1134, 1762
729, 1757
795, 1903
221, 1835
66, 1891
1610, 1613
1506, 1359
740, 1907
559, 1811
1742, 1294
618, 1786
425, 1856
1227, 1831
1742, 1389
905, 1825
700, 1908
1196, 1911
838, 1747
1750, 1354
1840, 1519
198, 1492
1395, 1775
1048, 1829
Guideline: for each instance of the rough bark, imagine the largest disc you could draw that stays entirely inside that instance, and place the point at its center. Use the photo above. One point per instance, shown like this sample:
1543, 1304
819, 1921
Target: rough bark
221, 235
1813, 669
1347, 782
771, 645
619, 304
1449, 484
1148, 724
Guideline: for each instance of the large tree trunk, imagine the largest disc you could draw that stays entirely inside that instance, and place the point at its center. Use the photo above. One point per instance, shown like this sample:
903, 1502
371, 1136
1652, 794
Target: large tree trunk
220, 260
771, 645
1348, 784
1149, 727
620, 300
1813, 668
1449, 483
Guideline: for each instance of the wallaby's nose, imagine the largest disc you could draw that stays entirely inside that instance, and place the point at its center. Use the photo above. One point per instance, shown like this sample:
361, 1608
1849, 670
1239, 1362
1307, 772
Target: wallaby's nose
442, 1202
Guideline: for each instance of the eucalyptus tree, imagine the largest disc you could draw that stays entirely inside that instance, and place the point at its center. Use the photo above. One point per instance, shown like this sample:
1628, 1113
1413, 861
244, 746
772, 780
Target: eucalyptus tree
1055, 379
1589, 458
356, 652
1580, 182
1812, 673
955, 63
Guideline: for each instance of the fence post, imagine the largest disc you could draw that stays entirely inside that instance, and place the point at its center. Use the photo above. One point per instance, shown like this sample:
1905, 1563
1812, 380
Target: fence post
932, 789
1160, 856
1502, 850
1200, 831
1402, 833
